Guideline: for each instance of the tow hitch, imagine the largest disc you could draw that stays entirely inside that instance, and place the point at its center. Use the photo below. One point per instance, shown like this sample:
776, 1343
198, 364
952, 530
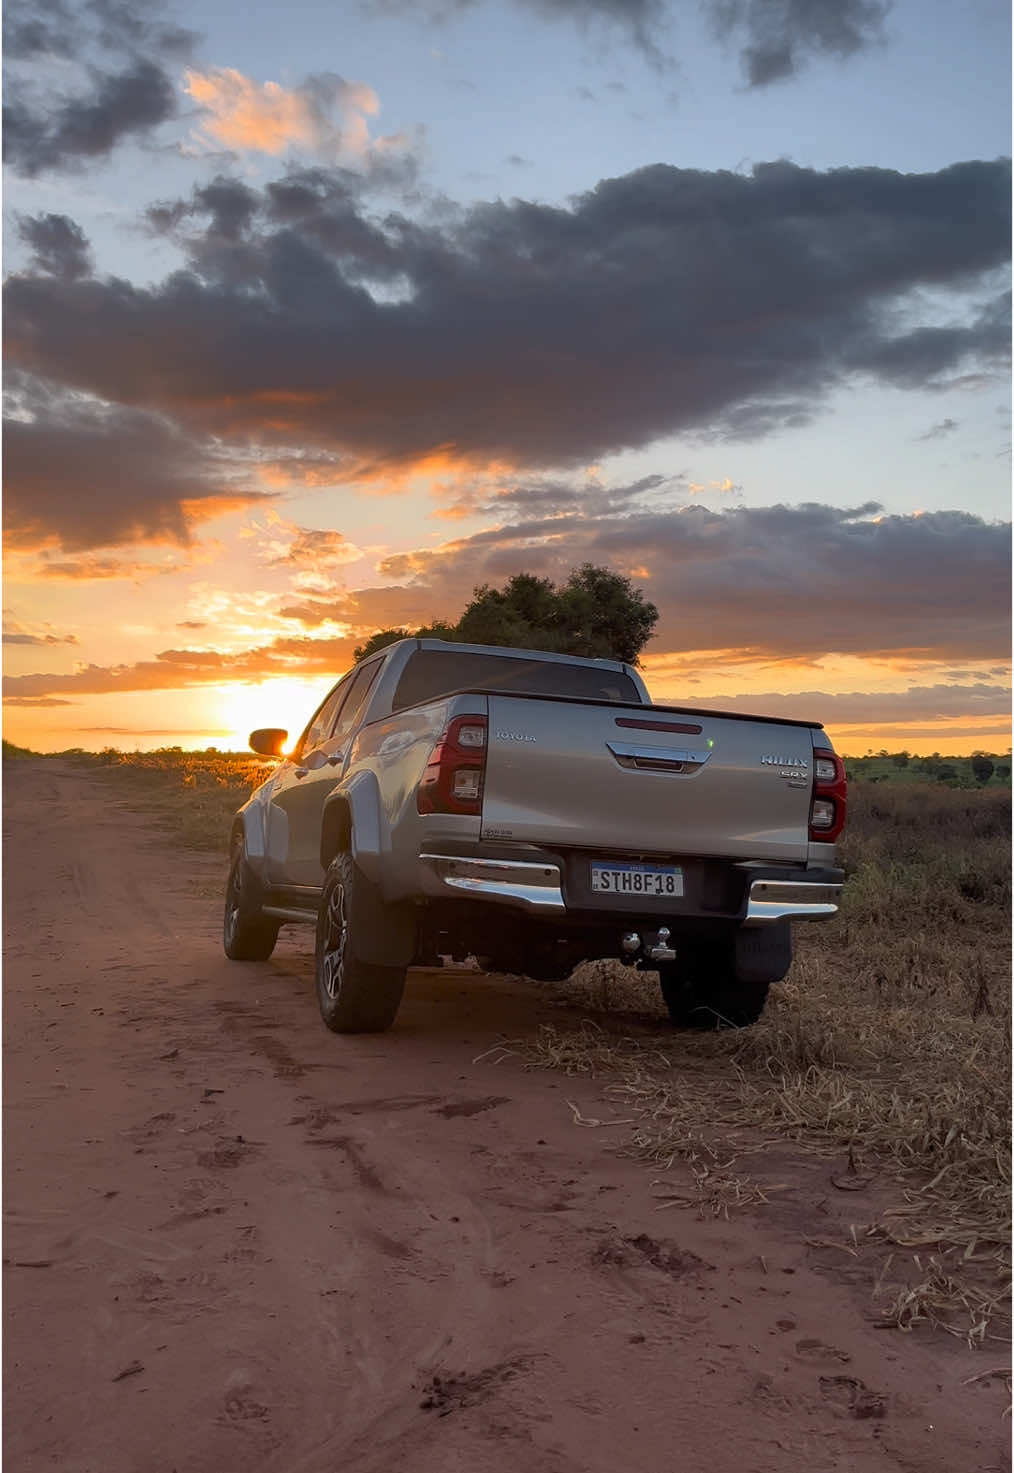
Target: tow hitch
659, 950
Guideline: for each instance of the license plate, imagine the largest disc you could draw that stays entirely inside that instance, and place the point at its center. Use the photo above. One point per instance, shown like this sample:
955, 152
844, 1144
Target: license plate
637, 879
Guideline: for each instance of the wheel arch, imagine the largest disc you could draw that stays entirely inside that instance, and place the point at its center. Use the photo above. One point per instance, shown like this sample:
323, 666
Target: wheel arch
351, 821
248, 825
350, 824
335, 829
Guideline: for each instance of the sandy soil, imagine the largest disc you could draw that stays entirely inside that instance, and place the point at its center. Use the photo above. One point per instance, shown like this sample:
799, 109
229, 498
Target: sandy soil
235, 1241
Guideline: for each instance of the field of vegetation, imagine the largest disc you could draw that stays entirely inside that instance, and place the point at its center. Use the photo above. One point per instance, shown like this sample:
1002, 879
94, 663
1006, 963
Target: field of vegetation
982, 769
888, 1045
195, 794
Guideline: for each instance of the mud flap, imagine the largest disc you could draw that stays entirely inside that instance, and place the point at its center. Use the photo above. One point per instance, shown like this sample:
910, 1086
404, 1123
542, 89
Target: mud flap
381, 935
762, 953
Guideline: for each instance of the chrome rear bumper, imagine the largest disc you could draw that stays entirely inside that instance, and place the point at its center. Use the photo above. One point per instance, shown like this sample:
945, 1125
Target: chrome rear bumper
539, 887
790, 900
535, 887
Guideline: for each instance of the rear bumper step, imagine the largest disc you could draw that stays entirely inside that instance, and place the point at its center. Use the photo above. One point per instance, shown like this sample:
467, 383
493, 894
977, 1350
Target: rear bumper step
533, 887
790, 900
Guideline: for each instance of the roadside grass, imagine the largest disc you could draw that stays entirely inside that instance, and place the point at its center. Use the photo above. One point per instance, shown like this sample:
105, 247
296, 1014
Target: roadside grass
12, 753
888, 1044
194, 794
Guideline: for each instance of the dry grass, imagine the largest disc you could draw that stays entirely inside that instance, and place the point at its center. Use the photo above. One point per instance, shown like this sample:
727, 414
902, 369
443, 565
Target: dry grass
889, 1040
195, 794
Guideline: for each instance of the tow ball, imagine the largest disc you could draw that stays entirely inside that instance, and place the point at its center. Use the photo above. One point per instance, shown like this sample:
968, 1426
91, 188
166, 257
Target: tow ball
661, 951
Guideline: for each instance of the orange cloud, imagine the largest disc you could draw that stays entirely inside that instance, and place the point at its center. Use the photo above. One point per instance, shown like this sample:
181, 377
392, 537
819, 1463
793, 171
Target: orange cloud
285, 544
325, 113
88, 567
175, 669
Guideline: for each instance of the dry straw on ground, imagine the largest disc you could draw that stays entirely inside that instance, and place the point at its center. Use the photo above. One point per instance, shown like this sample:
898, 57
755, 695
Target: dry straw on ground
889, 1041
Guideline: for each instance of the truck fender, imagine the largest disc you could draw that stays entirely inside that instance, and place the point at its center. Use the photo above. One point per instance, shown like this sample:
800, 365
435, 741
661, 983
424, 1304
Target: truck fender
249, 825
385, 933
351, 820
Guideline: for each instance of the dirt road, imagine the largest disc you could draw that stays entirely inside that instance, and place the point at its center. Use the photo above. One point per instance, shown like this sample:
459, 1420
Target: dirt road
234, 1241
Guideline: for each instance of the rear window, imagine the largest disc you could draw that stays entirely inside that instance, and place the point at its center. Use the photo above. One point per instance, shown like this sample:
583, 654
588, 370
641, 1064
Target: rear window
433, 673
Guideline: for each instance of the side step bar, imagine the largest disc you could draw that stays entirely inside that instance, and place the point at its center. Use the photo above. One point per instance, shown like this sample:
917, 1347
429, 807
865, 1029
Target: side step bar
289, 913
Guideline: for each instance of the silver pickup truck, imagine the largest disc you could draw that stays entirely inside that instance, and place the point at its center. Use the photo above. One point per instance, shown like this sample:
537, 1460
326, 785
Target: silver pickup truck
535, 811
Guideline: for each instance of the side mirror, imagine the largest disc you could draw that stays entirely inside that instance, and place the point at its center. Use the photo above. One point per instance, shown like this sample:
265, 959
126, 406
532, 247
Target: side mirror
268, 740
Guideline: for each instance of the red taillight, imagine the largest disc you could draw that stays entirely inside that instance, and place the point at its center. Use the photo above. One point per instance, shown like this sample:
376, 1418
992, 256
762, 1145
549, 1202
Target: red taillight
452, 782
827, 807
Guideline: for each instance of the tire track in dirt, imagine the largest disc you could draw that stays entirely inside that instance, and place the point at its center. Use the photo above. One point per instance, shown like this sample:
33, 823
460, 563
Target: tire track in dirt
236, 1240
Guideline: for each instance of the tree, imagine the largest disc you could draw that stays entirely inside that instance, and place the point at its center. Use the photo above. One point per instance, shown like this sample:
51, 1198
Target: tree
605, 615
900, 760
597, 613
379, 641
946, 773
982, 767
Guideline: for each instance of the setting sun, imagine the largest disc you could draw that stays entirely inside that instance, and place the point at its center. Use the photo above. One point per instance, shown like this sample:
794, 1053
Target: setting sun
284, 702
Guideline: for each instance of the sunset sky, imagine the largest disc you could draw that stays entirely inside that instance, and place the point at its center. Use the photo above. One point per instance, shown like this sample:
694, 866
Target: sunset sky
318, 316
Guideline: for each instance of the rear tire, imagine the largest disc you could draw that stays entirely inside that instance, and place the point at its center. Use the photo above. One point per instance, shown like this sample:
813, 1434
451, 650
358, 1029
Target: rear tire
354, 996
247, 934
701, 989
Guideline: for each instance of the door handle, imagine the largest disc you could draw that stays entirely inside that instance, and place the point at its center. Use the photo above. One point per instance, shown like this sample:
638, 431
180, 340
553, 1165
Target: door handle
658, 759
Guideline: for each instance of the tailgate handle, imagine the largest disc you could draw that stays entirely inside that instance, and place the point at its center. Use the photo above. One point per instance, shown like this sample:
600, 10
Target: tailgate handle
659, 759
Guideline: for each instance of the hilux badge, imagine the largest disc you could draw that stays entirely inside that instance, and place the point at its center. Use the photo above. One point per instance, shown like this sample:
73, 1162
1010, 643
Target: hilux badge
784, 761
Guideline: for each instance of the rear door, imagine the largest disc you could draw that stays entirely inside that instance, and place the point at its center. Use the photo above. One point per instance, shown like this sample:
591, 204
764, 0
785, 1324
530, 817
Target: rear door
287, 861
646, 782
297, 804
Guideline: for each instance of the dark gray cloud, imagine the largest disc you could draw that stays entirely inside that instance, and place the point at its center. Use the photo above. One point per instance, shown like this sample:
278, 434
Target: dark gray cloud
119, 105
123, 53
645, 23
667, 301
552, 495
939, 430
775, 39
37, 29
59, 246
82, 474
771, 583
224, 225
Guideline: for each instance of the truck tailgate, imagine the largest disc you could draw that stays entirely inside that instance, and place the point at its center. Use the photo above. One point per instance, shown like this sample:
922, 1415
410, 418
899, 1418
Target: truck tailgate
642, 780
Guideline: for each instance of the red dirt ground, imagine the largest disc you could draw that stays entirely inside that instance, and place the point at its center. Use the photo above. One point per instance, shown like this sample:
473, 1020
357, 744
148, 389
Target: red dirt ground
235, 1241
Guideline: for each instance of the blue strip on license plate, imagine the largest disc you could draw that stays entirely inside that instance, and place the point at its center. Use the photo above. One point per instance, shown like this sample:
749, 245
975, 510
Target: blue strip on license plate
637, 879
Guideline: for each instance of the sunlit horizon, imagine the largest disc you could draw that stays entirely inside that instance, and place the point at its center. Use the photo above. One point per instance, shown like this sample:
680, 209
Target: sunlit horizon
289, 702
312, 330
